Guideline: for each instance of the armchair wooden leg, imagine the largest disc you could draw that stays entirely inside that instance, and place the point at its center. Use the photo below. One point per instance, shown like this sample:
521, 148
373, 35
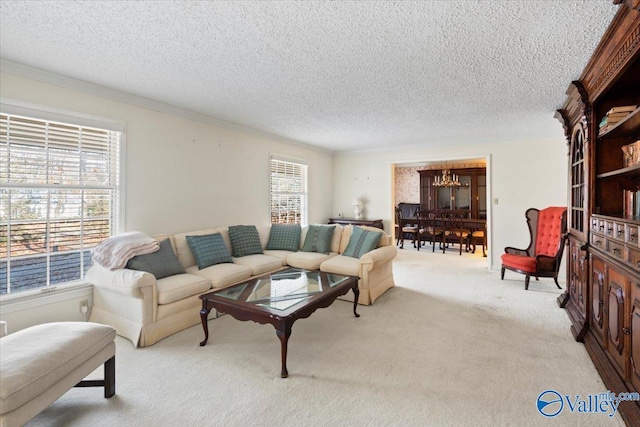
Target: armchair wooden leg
555, 279
502, 273
526, 282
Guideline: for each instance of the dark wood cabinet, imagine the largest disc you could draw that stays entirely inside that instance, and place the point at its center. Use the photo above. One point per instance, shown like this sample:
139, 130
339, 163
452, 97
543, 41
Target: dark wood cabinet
634, 342
598, 286
577, 284
352, 221
616, 301
603, 271
470, 196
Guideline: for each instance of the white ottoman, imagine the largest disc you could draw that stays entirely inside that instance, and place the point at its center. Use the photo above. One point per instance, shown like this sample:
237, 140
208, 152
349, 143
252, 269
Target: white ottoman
41, 363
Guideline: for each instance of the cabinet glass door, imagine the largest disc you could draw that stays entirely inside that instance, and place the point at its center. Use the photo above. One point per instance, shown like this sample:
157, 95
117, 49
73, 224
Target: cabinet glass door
426, 198
444, 197
482, 197
462, 194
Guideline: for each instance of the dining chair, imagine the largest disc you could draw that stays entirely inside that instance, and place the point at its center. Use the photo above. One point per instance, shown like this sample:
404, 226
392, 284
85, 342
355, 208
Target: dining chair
478, 236
403, 231
429, 228
453, 230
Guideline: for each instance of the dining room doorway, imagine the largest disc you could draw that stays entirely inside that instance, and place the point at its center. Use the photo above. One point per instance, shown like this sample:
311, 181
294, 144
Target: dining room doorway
460, 184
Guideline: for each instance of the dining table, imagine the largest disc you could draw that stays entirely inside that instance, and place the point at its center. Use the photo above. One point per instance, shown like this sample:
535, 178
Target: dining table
472, 224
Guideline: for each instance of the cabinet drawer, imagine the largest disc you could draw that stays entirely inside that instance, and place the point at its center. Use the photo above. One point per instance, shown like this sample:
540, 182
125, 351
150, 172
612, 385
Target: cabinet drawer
619, 231
632, 235
594, 225
599, 226
633, 258
615, 249
608, 228
598, 241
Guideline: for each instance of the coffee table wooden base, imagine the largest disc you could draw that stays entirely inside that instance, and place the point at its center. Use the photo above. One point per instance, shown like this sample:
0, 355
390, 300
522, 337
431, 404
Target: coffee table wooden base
282, 324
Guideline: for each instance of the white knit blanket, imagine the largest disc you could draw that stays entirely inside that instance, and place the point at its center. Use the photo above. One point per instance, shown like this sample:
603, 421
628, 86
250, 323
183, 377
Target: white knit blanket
115, 251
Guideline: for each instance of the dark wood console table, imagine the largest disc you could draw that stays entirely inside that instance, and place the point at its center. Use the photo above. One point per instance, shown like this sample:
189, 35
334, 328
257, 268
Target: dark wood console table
346, 221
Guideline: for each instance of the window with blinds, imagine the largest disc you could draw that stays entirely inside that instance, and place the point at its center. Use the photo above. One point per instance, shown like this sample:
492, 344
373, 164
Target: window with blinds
59, 197
288, 192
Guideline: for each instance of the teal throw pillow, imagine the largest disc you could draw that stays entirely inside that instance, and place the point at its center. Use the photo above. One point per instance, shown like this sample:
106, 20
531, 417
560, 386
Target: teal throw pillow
361, 242
208, 250
245, 240
319, 239
161, 263
284, 237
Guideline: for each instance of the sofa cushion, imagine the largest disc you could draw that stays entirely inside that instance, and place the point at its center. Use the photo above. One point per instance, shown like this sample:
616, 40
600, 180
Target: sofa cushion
307, 260
319, 239
284, 237
161, 263
341, 264
174, 288
223, 275
208, 249
361, 242
281, 255
245, 240
259, 263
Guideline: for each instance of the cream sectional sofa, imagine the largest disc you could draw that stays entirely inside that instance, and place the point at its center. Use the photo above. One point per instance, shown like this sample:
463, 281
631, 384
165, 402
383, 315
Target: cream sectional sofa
145, 310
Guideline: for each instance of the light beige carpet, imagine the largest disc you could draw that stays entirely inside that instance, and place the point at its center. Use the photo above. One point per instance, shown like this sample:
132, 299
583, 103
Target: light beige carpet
450, 345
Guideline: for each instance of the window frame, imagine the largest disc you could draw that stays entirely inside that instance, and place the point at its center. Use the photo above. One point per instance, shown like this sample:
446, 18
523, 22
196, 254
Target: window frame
43, 113
304, 194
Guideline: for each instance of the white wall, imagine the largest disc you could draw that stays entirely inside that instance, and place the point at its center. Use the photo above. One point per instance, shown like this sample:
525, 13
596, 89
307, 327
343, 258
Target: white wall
181, 174
521, 174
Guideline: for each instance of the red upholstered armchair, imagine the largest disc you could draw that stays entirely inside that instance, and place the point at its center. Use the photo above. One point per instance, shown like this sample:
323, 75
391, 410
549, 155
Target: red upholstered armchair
548, 228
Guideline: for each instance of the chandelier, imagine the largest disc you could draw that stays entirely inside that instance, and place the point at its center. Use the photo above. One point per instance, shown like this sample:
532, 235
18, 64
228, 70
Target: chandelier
447, 180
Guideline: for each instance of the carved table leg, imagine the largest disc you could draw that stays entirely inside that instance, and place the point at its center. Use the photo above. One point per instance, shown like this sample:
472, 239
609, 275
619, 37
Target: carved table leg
204, 313
284, 335
356, 293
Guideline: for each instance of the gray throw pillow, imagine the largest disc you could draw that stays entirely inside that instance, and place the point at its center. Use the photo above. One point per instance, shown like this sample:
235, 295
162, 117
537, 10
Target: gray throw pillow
245, 240
319, 239
361, 242
208, 250
284, 237
161, 263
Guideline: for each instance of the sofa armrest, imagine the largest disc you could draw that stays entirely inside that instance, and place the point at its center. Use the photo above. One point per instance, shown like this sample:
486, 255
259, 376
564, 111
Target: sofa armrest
123, 281
381, 254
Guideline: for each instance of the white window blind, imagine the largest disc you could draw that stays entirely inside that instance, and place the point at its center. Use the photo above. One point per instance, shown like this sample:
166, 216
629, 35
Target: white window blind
59, 197
288, 192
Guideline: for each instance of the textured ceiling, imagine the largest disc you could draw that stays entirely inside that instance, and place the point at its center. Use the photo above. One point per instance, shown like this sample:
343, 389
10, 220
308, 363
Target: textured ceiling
339, 75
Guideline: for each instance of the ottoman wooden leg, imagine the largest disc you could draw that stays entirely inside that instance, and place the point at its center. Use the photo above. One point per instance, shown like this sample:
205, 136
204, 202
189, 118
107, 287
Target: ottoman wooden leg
109, 381
110, 377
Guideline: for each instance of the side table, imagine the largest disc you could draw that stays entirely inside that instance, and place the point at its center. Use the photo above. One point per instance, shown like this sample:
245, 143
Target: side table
346, 221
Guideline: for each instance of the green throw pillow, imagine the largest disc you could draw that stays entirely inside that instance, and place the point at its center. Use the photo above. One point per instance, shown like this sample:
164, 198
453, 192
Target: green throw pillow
245, 240
284, 237
161, 263
208, 250
318, 239
361, 242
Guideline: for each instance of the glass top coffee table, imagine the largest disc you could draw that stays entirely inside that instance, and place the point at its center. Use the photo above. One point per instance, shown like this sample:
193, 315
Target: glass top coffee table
280, 299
